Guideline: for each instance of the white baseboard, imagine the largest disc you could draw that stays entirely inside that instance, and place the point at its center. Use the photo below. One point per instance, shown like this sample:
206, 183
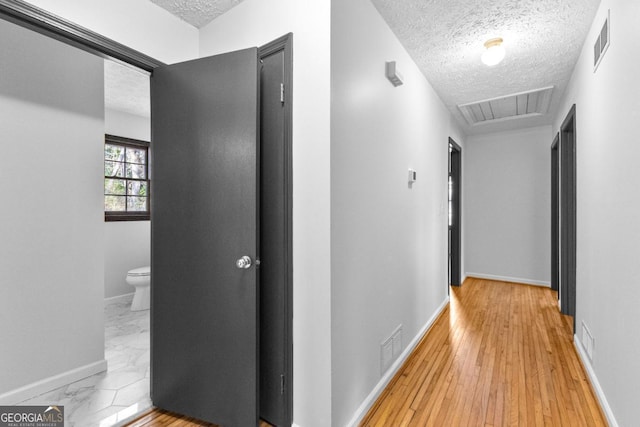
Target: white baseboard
361, 412
37, 388
509, 279
118, 298
594, 382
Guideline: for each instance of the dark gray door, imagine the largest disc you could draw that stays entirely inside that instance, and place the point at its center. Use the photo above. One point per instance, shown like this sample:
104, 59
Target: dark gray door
555, 216
204, 217
568, 215
455, 235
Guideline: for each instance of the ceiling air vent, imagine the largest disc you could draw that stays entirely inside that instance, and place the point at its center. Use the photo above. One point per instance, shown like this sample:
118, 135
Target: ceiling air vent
602, 43
516, 106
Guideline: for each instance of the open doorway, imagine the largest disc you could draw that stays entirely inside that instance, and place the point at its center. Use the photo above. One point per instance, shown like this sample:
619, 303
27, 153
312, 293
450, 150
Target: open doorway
93, 43
454, 224
122, 389
127, 248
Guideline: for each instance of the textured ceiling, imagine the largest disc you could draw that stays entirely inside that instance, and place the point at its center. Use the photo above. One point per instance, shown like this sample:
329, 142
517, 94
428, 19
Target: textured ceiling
197, 12
542, 38
126, 89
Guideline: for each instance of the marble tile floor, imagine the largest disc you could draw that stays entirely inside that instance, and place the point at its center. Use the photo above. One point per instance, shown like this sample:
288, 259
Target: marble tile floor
107, 398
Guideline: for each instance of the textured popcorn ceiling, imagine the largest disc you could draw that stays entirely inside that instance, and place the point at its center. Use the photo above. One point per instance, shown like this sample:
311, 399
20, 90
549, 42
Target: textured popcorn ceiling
126, 89
197, 12
542, 38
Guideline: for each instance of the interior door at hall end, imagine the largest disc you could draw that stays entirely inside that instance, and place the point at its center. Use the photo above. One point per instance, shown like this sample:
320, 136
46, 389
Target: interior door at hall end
204, 233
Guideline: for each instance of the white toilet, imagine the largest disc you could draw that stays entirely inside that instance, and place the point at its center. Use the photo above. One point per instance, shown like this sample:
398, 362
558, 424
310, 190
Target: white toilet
141, 279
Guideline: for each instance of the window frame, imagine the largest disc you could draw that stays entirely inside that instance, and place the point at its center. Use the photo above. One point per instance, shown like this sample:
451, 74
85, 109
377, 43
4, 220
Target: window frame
129, 215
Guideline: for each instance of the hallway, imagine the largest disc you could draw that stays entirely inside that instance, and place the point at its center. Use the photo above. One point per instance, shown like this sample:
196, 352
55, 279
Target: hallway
500, 354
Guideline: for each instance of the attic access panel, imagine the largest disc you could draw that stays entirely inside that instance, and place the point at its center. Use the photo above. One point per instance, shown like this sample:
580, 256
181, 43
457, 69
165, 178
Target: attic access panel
515, 106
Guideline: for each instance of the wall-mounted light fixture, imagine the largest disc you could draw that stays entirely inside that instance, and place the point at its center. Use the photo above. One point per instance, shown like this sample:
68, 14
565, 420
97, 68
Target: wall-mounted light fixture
393, 74
494, 53
413, 176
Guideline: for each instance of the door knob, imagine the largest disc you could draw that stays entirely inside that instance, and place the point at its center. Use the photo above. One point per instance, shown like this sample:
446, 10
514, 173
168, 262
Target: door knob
244, 262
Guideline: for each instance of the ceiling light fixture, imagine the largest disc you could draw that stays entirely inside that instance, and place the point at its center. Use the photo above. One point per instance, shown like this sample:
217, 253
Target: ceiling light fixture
494, 53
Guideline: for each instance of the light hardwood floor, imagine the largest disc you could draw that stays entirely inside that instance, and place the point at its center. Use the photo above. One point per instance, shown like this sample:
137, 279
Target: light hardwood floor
500, 354
160, 418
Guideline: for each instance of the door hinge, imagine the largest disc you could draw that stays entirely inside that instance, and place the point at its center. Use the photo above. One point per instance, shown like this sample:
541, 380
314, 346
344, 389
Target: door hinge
282, 384
282, 93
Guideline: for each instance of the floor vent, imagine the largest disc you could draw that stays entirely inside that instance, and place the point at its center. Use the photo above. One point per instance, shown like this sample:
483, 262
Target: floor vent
390, 349
587, 341
515, 106
602, 43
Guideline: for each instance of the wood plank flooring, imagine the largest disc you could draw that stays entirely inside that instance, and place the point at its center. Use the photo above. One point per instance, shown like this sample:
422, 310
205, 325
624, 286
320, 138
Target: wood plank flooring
160, 418
500, 354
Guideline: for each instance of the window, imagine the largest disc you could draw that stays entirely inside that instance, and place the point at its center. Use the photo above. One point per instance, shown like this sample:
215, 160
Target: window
126, 179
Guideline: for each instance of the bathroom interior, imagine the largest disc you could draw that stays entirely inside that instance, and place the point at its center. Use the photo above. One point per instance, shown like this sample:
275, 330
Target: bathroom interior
109, 397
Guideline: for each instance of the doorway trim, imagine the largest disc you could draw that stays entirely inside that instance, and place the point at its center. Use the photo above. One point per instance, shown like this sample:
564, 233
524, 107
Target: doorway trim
568, 139
455, 239
285, 44
555, 215
27, 15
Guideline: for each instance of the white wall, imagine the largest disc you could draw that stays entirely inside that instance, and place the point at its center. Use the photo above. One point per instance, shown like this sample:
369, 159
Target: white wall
51, 259
507, 194
140, 25
388, 241
254, 23
127, 244
608, 230
127, 125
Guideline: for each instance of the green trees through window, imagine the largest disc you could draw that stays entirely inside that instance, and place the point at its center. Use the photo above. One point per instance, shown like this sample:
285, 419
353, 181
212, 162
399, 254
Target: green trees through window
126, 179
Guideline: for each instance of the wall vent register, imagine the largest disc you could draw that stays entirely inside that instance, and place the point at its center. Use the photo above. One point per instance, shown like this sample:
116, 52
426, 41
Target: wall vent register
602, 43
588, 342
390, 349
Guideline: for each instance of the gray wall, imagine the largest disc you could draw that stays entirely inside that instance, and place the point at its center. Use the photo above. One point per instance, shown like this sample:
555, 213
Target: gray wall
388, 241
507, 205
127, 244
51, 221
608, 209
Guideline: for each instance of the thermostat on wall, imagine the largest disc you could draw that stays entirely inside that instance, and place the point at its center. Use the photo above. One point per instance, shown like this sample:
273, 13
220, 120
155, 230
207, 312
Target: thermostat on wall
412, 176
